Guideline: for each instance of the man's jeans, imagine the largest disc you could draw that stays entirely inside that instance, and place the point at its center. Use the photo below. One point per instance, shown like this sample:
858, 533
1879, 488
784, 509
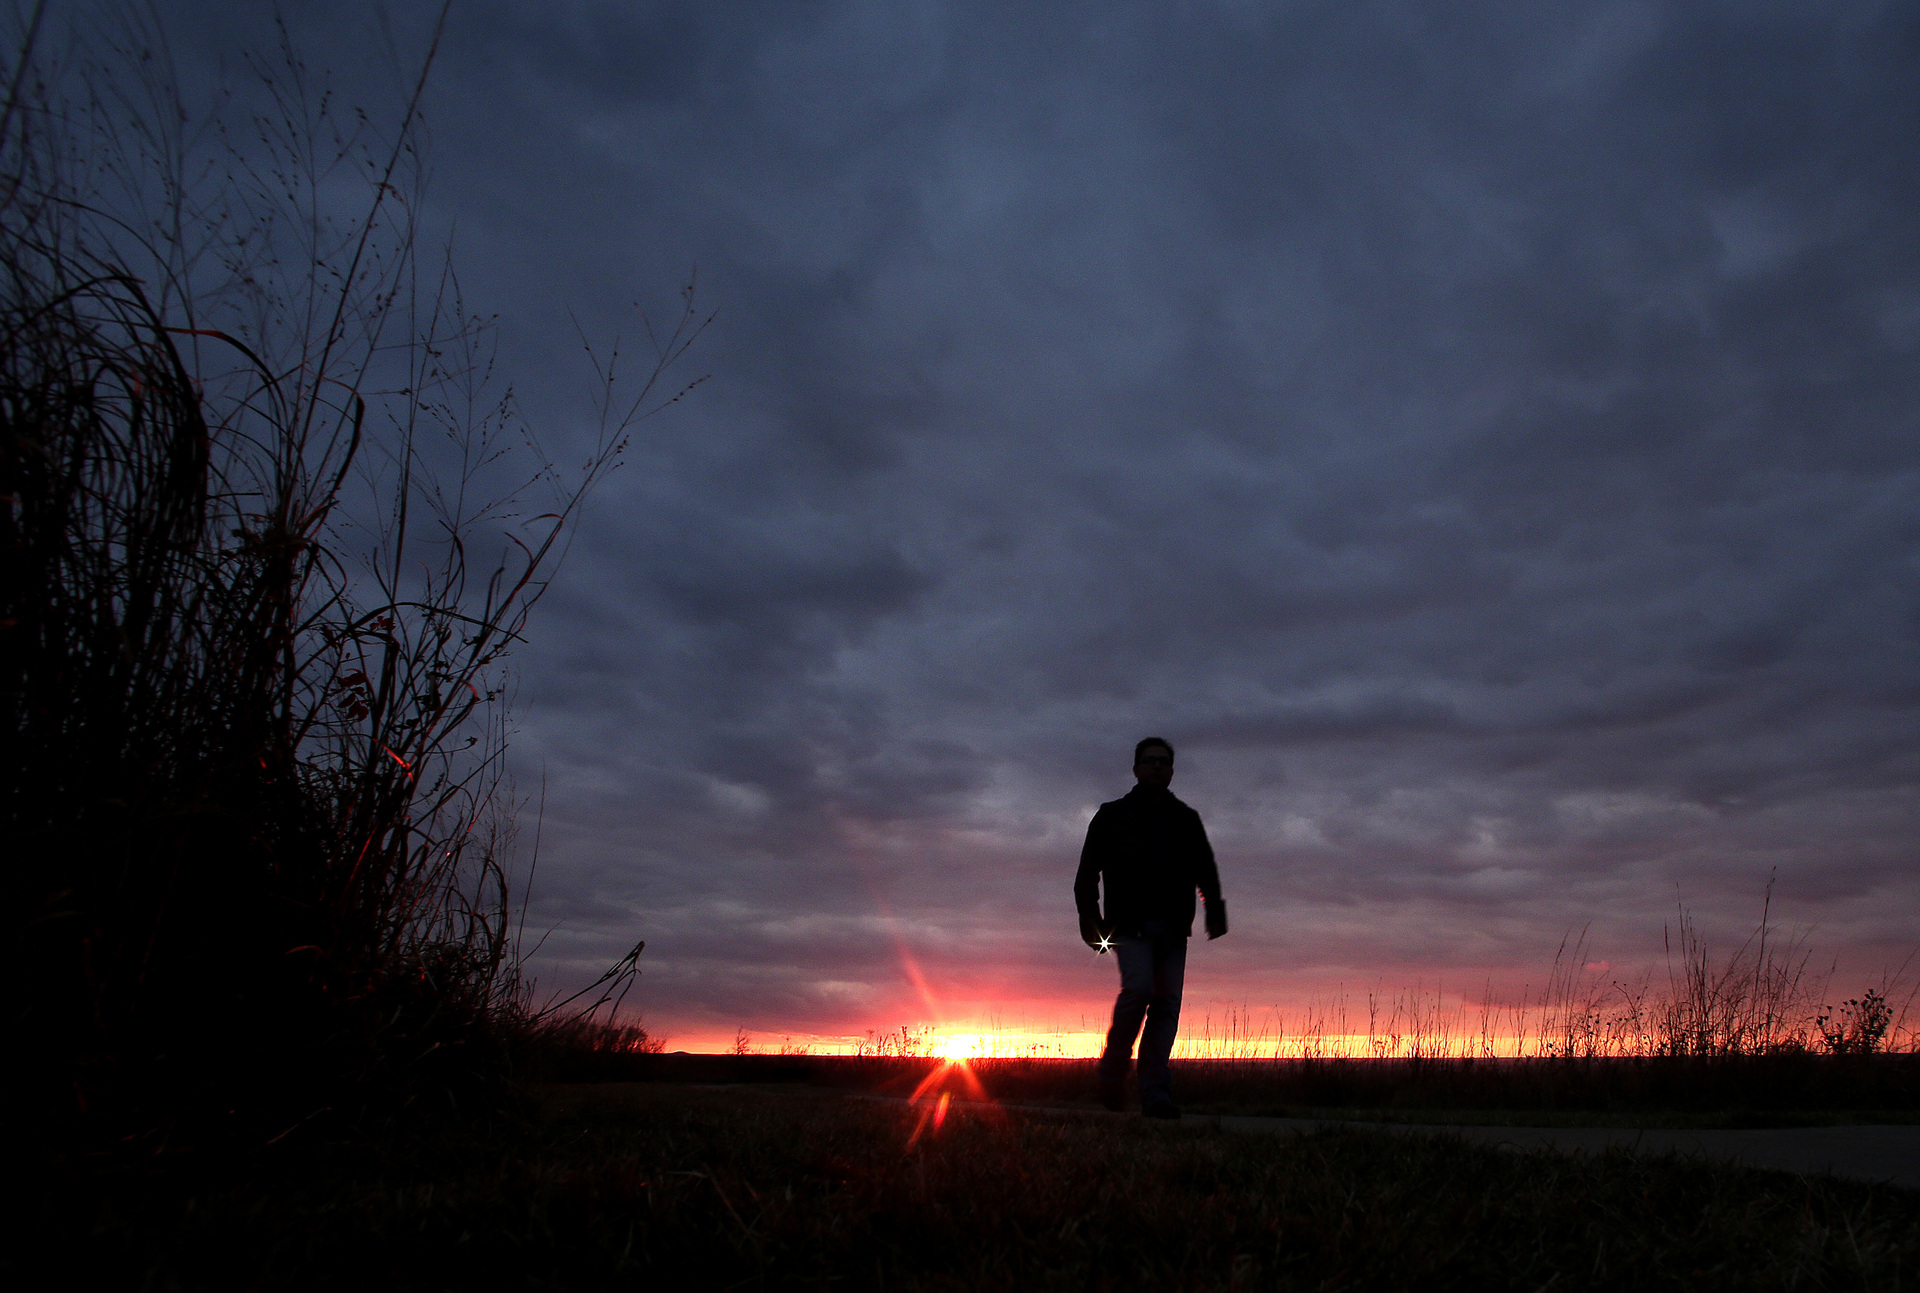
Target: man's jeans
1153, 971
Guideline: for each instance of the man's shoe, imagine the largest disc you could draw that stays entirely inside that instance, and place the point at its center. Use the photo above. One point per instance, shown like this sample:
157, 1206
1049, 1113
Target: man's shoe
1113, 1094
1163, 1108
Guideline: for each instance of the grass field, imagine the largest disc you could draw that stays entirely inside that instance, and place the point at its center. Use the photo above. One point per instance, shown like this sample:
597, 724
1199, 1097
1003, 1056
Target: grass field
663, 1185
1782, 1090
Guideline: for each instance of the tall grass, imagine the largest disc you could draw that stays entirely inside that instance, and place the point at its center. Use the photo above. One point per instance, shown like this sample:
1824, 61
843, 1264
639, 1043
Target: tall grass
269, 541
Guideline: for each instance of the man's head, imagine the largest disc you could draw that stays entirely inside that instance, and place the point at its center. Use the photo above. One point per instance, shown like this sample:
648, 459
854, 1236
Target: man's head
1153, 763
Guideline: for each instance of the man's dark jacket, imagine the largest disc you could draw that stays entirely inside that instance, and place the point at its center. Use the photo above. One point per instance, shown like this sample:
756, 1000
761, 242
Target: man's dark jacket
1153, 853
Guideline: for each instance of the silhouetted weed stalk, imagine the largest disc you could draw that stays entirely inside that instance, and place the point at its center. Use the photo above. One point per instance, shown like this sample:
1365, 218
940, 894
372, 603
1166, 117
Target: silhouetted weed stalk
1759, 1000
271, 528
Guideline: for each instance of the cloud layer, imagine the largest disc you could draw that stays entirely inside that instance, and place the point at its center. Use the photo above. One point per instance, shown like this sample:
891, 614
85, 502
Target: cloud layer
1482, 438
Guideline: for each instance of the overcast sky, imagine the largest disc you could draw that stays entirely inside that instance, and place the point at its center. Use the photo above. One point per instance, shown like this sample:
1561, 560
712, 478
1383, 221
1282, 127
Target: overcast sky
1484, 438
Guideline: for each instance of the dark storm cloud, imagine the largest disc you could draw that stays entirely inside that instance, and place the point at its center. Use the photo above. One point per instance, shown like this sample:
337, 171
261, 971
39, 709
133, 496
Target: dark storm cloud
1483, 437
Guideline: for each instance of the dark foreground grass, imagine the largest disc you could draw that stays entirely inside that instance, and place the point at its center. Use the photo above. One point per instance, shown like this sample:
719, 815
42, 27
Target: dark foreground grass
655, 1186
1779, 1090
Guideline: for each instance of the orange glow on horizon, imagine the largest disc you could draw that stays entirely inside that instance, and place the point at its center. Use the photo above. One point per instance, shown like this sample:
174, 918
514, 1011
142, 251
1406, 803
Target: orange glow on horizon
986, 1018
963, 1042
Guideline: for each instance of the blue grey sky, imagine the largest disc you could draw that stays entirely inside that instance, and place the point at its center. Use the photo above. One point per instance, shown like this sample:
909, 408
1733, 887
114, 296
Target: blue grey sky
1483, 437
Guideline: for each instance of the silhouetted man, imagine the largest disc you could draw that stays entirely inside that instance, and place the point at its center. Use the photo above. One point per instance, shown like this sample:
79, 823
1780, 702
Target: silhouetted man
1152, 853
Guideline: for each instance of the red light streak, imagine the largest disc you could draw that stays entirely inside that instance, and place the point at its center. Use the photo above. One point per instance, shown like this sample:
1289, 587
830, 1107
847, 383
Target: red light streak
935, 1093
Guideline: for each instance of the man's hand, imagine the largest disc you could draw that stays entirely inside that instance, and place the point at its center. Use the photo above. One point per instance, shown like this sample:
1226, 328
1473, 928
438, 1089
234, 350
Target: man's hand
1097, 934
1216, 917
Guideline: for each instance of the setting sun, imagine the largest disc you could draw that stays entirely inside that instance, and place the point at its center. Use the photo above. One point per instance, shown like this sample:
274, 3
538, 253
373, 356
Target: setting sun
959, 1047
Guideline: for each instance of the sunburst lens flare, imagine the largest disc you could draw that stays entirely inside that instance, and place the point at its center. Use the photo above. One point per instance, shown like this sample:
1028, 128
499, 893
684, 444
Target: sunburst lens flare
949, 1081
961, 1047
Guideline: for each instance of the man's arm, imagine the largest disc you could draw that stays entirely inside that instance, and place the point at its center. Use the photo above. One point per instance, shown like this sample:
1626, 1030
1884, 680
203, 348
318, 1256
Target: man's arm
1086, 885
1209, 880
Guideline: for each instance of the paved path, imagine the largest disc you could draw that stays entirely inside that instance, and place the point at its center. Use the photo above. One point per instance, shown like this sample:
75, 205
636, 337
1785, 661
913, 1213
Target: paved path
1880, 1154
1886, 1155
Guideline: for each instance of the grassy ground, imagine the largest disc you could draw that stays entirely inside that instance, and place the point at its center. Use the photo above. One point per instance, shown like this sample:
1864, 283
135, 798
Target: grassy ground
661, 1185
1789, 1090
